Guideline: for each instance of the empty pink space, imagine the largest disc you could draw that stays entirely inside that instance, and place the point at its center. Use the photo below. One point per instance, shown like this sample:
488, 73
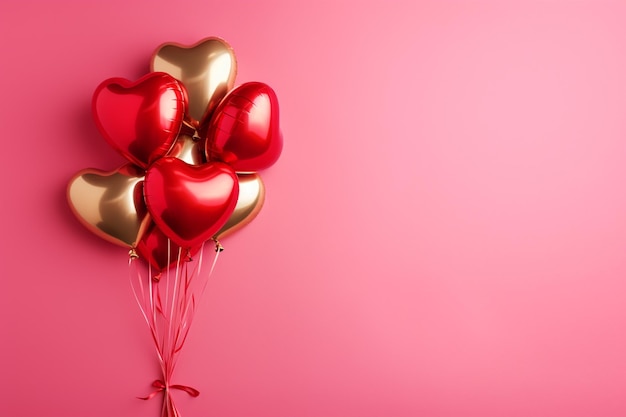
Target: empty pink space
443, 234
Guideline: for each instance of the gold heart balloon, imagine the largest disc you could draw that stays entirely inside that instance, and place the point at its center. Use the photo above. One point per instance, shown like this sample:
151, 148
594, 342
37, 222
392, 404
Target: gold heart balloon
110, 204
207, 69
249, 204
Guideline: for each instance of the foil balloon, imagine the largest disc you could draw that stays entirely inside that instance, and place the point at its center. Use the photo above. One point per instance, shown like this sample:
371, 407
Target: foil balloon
156, 249
249, 204
110, 204
142, 119
207, 69
244, 130
251, 187
190, 203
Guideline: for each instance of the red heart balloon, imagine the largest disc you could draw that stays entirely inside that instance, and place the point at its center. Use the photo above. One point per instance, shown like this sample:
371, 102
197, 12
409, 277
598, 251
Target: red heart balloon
244, 130
140, 120
155, 249
190, 203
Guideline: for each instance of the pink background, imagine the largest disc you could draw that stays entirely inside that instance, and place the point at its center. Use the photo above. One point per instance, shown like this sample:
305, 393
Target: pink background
444, 234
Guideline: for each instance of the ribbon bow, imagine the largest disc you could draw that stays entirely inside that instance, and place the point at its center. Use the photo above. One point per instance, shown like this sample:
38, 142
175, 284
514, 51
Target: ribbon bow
162, 386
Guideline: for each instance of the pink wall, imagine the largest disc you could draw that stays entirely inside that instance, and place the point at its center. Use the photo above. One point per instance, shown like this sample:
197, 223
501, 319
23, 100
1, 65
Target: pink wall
444, 234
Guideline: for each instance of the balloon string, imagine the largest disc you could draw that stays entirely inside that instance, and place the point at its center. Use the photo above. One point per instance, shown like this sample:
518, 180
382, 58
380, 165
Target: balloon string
172, 319
218, 249
178, 301
190, 306
135, 275
169, 312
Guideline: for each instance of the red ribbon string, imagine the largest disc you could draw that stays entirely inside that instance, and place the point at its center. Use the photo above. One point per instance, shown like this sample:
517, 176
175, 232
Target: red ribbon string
161, 386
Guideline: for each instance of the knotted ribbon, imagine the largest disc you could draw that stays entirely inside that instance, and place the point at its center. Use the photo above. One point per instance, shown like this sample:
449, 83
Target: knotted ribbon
169, 408
161, 386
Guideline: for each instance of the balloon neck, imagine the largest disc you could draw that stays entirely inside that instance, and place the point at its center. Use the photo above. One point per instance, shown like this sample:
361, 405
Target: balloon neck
190, 129
218, 245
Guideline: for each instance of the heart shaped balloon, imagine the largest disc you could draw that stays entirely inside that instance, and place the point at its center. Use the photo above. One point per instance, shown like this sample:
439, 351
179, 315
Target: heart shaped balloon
207, 69
251, 187
141, 120
110, 204
249, 204
244, 130
190, 203
156, 249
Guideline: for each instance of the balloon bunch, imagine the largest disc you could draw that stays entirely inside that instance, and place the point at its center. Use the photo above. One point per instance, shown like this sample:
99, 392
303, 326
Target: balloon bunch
194, 145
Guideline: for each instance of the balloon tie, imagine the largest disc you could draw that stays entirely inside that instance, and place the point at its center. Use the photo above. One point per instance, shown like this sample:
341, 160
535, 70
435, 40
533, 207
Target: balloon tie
163, 387
132, 253
191, 130
218, 245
